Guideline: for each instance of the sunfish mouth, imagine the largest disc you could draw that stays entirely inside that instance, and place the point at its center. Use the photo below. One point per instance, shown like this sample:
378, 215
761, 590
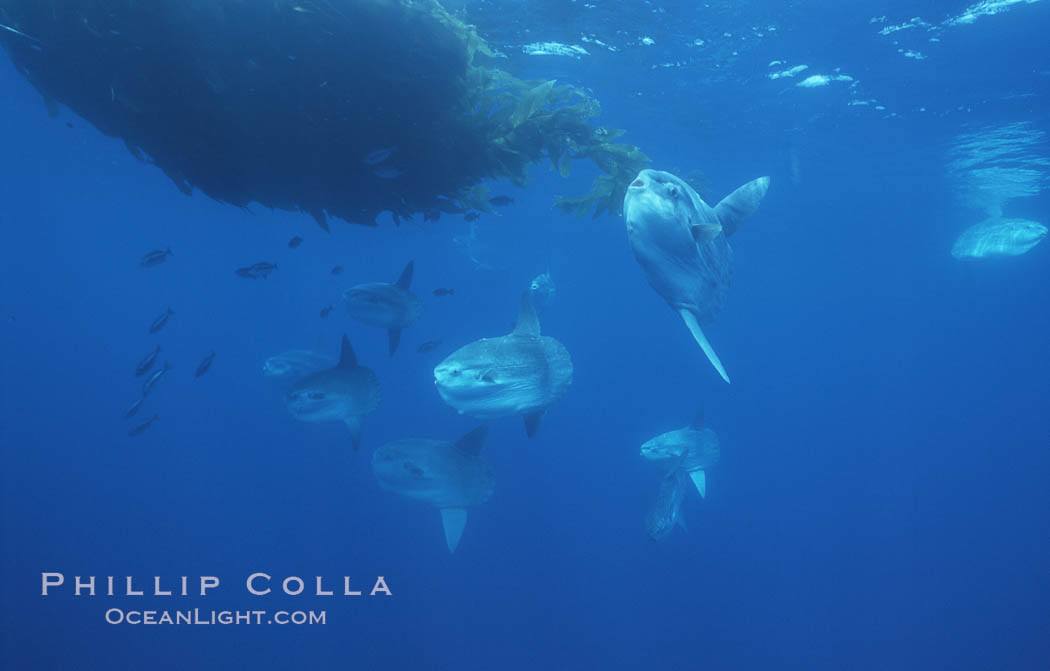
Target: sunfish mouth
480, 383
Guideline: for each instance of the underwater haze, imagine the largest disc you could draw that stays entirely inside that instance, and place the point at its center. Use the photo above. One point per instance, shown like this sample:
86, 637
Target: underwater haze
880, 500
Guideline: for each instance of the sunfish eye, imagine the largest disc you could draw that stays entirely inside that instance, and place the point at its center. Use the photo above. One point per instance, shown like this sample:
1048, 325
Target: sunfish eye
672, 192
413, 469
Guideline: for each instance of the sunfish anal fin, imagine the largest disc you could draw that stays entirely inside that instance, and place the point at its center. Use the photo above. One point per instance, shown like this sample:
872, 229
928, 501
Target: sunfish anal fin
700, 480
532, 423
453, 519
394, 336
353, 423
701, 339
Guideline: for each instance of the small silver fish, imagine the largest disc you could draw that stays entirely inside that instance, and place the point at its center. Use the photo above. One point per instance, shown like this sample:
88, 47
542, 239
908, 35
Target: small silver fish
160, 321
147, 362
151, 382
204, 365
155, 257
139, 428
134, 407
263, 269
378, 156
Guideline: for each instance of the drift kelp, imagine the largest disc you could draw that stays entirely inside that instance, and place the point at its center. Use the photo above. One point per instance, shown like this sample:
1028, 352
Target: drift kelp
343, 108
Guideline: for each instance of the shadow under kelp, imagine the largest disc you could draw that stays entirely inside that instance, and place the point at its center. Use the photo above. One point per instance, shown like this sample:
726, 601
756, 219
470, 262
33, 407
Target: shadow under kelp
334, 108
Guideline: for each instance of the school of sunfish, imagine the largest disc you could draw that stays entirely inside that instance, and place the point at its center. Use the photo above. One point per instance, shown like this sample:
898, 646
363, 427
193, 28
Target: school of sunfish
682, 247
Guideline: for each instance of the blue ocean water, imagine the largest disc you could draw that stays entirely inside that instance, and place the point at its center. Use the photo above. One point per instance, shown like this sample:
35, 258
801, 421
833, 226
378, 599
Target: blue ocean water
881, 498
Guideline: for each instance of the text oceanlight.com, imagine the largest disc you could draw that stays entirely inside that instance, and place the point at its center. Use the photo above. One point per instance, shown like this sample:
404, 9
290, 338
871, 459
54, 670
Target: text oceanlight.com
208, 617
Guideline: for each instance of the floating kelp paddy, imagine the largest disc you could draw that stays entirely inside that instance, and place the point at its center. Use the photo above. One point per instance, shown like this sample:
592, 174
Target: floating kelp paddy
336, 108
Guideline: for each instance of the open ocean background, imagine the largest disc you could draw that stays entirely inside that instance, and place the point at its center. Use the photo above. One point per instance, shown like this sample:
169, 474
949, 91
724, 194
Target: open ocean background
882, 497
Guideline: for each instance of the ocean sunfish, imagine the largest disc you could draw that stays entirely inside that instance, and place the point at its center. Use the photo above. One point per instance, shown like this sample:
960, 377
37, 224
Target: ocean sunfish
998, 237
451, 476
389, 306
522, 373
694, 447
681, 244
344, 393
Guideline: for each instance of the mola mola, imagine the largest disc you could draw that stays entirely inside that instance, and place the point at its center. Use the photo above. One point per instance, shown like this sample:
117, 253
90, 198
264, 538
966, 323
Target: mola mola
695, 447
517, 374
681, 244
449, 476
666, 512
389, 306
998, 237
345, 393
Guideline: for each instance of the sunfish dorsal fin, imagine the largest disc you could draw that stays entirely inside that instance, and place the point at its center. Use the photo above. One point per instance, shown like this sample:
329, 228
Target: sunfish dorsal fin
453, 519
701, 339
698, 420
528, 323
699, 479
473, 442
704, 232
347, 358
405, 280
739, 205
